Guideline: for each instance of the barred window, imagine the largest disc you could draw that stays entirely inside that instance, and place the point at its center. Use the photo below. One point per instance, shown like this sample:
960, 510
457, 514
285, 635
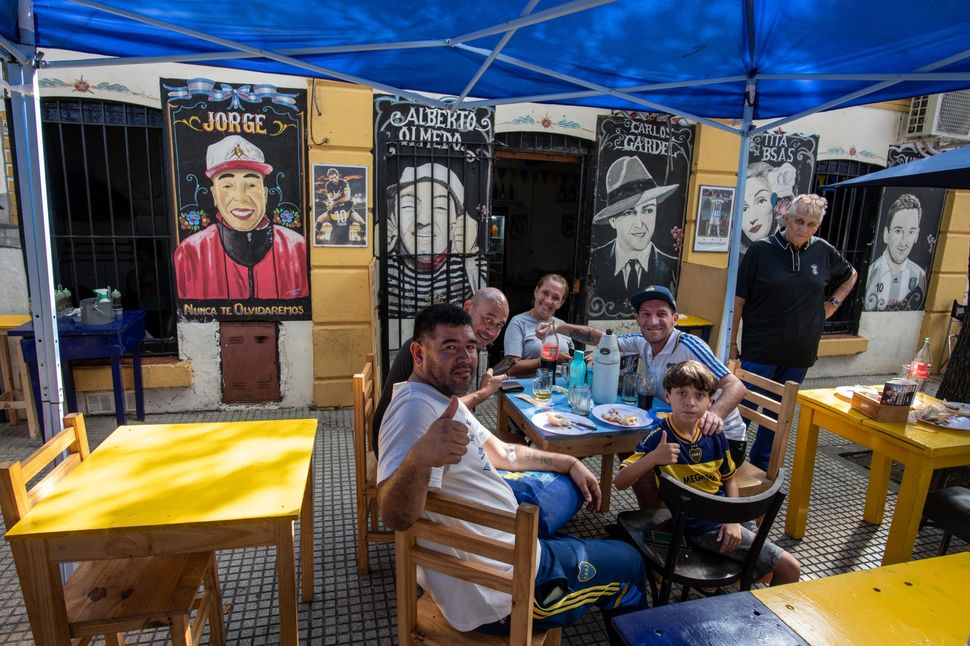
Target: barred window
108, 201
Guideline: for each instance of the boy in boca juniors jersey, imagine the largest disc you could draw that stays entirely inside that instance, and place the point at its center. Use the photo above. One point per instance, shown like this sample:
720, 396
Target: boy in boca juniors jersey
677, 447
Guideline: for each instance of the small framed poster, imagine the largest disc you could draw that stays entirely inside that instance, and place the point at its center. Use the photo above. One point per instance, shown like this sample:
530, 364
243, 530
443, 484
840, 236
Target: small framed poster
714, 207
339, 205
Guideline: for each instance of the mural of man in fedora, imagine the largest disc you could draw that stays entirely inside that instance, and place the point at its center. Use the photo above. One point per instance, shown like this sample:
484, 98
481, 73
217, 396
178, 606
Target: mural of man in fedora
631, 261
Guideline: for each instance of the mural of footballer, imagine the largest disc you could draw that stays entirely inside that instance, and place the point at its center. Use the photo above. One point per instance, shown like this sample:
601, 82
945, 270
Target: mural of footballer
895, 282
339, 224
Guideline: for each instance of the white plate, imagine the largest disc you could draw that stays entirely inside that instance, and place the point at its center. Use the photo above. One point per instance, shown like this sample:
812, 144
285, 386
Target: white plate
642, 418
953, 422
542, 421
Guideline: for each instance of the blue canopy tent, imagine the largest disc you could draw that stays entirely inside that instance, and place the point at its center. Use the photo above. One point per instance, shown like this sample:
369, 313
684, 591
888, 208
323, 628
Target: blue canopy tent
733, 60
949, 169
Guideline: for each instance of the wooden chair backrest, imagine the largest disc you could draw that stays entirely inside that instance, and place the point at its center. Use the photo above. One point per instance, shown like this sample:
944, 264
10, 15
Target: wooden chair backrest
783, 407
365, 400
696, 503
520, 583
15, 497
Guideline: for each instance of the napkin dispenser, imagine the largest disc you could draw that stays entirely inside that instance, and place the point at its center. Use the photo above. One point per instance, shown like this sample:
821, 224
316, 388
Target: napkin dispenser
869, 404
96, 312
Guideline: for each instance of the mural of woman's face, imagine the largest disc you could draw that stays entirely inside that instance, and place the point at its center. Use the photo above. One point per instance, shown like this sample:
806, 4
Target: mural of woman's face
758, 215
424, 211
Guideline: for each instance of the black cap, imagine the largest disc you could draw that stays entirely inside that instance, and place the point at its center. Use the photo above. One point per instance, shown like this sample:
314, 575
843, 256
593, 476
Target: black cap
653, 293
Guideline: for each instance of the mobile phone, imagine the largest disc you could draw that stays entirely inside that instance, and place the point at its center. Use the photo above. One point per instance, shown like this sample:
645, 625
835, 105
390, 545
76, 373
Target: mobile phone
511, 386
504, 365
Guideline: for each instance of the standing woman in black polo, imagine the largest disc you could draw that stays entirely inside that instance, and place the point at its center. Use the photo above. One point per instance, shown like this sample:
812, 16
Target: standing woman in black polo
781, 297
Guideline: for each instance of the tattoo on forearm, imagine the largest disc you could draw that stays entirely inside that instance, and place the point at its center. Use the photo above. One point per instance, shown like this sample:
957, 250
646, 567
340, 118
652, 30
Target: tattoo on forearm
583, 336
539, 458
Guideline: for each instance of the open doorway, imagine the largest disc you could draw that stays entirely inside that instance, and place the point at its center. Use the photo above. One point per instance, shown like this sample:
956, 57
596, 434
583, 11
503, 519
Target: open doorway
536, 199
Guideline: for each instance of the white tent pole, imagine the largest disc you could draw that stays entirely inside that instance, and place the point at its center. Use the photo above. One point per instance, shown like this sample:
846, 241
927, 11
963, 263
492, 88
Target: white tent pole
32, 202
737, 213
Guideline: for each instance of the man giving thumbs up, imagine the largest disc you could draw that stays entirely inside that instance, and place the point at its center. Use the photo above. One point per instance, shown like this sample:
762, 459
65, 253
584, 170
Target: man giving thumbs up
430, 440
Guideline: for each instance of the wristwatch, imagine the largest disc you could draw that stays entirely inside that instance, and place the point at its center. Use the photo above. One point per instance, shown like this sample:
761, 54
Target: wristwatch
836, 302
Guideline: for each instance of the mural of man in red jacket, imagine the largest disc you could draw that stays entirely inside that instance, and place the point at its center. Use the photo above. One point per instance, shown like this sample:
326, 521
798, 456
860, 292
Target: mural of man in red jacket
242, 255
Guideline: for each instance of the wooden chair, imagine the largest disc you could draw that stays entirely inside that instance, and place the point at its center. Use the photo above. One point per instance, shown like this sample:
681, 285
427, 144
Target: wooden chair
112, 597
365, 465
420, 620
751, 479
661, 539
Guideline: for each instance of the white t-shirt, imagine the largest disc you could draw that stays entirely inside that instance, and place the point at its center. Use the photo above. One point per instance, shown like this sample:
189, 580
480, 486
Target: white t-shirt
681, 346
413, 408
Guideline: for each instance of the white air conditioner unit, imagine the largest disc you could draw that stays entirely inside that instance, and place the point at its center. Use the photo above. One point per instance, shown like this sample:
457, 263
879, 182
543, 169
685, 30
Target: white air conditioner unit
944, 115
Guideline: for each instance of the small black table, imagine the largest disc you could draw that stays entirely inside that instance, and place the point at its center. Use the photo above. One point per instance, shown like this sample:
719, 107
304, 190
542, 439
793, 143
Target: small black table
78, 341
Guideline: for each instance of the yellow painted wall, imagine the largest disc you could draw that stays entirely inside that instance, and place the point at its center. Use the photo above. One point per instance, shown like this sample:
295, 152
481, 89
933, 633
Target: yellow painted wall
703, 275
948, 282
341, 279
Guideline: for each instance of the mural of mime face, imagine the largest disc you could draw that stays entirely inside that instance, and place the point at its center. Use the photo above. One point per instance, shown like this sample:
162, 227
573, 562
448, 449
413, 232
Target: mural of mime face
424, 210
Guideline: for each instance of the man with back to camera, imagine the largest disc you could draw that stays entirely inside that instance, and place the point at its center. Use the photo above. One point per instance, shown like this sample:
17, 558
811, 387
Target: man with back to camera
895, 282
242, 254
631, 261
489, 311
659, 346
430, 441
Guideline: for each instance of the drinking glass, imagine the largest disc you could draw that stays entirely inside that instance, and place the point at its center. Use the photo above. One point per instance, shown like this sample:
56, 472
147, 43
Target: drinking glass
628, 390
582, 400
645, 389
542, 384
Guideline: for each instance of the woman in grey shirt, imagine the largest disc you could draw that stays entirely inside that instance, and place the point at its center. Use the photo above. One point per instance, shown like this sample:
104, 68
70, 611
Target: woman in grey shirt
520, 335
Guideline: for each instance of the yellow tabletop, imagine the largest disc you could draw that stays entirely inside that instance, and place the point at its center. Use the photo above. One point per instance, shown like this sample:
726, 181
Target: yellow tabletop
930, 439
10, 321
920, 602
689, 320
167, 475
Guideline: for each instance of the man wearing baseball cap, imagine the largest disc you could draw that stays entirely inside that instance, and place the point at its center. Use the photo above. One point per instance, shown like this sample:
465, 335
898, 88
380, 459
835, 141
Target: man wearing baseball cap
659, 345
241, 255
631, 261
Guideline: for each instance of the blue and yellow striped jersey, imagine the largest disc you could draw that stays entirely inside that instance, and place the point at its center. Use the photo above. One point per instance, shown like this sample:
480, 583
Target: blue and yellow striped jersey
704, 462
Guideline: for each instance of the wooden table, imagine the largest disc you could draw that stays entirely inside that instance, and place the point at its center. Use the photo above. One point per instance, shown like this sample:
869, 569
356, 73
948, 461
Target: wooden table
605, 441
920, 448
78, 341
695, 325
169, 488
12, 399
921, 602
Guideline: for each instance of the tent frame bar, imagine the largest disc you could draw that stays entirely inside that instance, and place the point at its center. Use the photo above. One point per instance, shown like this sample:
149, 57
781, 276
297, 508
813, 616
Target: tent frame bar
530, 5
262, 53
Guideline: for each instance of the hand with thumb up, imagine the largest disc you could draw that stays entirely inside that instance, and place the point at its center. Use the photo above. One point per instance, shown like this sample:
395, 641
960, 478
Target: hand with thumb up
666, 452
445, 441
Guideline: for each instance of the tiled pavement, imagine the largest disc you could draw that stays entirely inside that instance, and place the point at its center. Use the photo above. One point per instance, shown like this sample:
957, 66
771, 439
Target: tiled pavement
353, 609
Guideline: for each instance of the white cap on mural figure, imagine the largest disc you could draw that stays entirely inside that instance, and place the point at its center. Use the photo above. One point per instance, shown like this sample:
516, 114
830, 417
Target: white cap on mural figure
436, 172
232, 153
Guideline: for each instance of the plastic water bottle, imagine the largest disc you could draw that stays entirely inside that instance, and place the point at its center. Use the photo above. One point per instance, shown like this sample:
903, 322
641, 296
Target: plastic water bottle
577, 373
606, 375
